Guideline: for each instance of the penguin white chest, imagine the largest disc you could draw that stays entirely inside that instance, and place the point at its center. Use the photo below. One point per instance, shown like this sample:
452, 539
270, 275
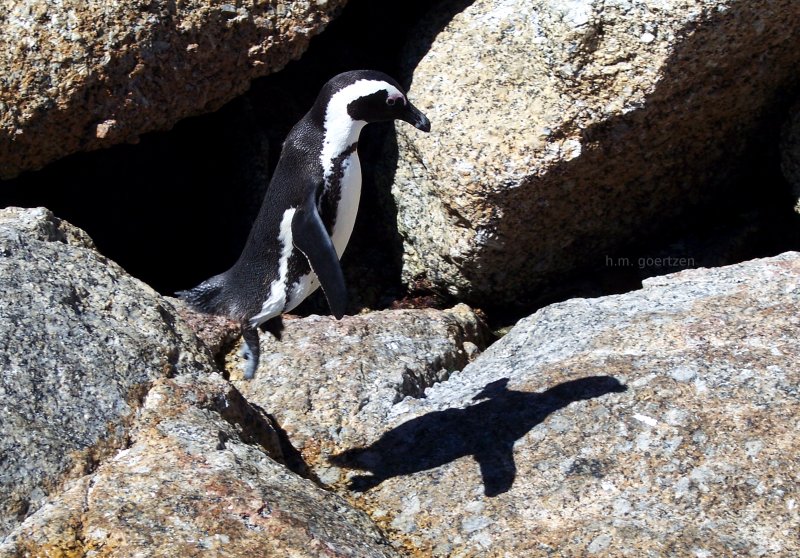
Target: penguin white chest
347, 208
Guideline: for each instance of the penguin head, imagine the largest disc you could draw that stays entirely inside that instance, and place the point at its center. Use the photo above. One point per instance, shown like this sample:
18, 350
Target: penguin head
370, 96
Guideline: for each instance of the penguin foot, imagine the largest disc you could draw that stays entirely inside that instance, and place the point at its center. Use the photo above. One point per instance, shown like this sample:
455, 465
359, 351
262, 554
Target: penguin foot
249, 369
250, 351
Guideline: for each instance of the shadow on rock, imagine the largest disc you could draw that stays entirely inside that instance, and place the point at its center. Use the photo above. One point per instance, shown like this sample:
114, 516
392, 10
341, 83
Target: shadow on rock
486, 430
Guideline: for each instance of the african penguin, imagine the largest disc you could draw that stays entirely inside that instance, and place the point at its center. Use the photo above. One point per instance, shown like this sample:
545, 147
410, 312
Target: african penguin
308, 212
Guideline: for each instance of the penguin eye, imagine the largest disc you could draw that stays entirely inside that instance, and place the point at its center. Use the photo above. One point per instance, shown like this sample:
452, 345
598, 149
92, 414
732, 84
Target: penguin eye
390, 101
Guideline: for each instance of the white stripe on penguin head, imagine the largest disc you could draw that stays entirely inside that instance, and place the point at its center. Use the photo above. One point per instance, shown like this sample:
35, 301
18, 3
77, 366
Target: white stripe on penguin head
341, 131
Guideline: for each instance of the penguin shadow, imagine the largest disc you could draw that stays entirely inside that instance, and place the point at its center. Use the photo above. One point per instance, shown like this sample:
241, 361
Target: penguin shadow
486, 430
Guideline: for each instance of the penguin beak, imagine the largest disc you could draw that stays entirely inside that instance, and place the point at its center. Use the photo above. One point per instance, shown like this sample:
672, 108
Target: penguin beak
414, 116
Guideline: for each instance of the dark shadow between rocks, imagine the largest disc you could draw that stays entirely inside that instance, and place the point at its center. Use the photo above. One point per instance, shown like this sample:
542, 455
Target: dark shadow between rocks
486, 430
259, 428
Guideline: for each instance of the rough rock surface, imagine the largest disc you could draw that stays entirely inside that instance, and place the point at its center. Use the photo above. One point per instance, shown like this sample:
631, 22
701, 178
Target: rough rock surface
790, 152
118, 437
217, 333
83, 75
80, 343
535, 449
325, 379
579, 125
197, 481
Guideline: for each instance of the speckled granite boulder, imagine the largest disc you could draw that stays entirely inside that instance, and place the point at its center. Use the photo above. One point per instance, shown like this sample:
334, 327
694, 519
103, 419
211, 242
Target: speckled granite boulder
80, 343
662, 422
562, 129
80, 75
197, 480
327, 381
790, 152
117, 436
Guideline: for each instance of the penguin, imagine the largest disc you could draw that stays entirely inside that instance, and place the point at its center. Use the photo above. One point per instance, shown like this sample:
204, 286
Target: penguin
308, 212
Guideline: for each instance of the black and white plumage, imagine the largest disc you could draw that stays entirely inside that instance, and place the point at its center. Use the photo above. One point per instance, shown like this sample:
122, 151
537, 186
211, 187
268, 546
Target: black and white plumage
309, 210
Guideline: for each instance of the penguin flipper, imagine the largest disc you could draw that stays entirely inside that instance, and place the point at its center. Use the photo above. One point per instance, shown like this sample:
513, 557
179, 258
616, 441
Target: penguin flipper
310, 237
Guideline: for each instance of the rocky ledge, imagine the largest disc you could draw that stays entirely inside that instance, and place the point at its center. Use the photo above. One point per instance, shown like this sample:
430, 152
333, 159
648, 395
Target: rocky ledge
660, 422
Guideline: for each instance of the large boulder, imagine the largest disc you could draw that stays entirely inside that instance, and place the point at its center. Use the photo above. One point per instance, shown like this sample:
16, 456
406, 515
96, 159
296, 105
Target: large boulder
197, 479
83, 75
81, 342
562, 130
118, 436
661, 422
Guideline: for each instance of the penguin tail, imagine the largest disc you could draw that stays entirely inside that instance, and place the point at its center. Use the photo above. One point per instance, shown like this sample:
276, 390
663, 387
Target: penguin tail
208, 296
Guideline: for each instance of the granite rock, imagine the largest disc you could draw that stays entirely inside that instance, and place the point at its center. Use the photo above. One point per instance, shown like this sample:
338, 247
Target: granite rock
790, 153
217, 333
326, 379
118, 437
80, 343
76, 76
578, 126
199, 478
661, 422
